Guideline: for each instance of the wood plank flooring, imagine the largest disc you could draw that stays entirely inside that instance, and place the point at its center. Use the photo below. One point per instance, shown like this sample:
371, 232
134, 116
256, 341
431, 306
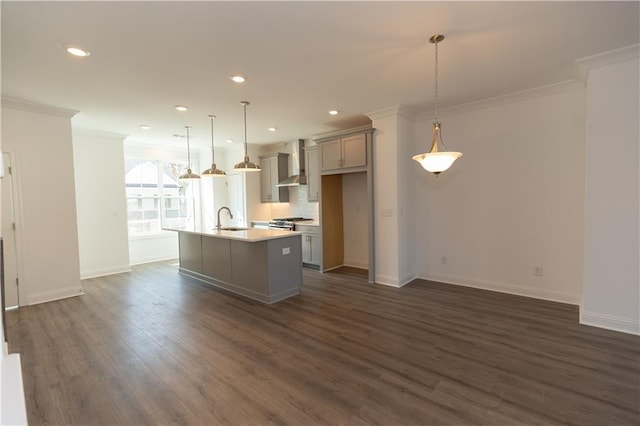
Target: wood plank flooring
152, 347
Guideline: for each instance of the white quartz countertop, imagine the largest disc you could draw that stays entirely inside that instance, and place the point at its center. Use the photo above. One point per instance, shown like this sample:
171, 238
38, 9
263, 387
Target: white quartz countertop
250, 235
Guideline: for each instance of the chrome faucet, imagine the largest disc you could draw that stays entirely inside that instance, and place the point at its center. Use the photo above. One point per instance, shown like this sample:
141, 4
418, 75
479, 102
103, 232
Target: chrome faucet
219, 226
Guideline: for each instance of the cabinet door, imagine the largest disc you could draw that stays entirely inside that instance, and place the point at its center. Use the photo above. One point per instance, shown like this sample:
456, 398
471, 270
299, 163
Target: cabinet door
354, 151
331, 155
315, 249
266, 173
313, 175
306, 248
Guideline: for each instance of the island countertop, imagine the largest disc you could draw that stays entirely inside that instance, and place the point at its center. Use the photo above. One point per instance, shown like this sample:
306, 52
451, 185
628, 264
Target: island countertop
250, 235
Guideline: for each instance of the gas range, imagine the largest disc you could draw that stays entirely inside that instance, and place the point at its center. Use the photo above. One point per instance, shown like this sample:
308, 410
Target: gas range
285, 223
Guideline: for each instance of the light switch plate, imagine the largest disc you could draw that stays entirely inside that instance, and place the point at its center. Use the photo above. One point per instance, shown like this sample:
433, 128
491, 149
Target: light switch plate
286, 250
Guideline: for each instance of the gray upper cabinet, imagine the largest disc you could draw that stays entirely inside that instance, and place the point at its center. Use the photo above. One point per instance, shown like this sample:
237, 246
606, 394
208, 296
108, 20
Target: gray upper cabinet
313, 173
344, 153
274, 169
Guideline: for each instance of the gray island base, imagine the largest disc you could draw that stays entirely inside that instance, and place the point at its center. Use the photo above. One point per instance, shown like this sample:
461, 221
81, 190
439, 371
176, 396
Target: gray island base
263, 265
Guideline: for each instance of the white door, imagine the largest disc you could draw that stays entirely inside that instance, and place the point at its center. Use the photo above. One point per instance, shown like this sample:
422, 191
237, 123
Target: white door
11, 293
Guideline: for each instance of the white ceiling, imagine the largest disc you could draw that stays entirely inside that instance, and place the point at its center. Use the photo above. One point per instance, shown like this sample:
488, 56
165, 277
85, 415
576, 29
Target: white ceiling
300, 59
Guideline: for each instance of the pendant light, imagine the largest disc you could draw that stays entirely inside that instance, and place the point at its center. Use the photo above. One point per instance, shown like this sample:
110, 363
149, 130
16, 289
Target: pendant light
213, 171
189, 175
246, 165
436, 161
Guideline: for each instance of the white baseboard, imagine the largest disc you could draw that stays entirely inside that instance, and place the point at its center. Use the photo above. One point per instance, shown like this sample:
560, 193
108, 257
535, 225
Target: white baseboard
150, 259
387, 280
610, 322
50, 296
354, 263
93, 273
393, 281
537, 293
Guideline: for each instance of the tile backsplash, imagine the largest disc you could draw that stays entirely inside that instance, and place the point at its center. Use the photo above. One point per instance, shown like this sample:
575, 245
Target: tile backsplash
297, 205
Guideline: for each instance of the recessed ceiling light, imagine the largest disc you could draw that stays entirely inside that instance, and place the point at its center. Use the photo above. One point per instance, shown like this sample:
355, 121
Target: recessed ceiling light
76, 50
238, 78
273, 129
229, 140
182, 107
334, 112
145, 127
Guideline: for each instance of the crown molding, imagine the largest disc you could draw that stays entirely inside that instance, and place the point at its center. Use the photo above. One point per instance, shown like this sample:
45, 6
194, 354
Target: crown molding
342, 133
584, 65
510, 98
394, 111
24, 105
99, 133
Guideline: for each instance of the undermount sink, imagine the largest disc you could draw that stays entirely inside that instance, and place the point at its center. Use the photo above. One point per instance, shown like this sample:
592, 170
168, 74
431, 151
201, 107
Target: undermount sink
233, 228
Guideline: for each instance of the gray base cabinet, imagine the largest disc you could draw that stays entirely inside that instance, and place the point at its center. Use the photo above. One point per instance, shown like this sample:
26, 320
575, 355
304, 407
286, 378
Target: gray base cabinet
311, 244
266, 271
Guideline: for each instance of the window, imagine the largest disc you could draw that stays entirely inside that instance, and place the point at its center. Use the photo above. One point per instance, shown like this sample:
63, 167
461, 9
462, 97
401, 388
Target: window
156, 198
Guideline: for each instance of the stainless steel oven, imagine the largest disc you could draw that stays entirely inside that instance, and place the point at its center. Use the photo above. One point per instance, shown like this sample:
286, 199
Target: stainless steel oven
285, 223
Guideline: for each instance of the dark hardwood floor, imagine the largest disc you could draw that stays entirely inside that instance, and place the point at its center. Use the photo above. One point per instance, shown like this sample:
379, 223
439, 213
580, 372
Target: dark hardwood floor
153, 347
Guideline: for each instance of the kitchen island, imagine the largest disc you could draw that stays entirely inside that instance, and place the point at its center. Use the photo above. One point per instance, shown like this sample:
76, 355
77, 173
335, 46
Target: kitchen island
261, 264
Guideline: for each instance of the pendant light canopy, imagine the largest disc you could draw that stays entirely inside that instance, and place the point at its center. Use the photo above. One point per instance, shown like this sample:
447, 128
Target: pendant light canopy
189, 175
246, 165
213, 171
436, 161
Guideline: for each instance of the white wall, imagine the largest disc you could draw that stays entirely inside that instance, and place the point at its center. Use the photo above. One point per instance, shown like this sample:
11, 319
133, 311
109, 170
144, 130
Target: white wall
393, 195
355, 204
100, 202
385, 193
512, 202
39, 136
611, 251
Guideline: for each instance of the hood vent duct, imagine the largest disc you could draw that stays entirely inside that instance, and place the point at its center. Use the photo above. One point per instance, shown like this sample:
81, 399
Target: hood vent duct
298, 176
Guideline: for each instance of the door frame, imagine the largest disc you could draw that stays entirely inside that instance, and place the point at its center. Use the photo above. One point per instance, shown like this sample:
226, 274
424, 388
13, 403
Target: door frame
17, 219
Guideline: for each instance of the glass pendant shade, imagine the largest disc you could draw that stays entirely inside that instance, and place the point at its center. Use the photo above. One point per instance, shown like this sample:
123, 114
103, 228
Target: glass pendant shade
436, 161
246, 165
189, 175
213, 171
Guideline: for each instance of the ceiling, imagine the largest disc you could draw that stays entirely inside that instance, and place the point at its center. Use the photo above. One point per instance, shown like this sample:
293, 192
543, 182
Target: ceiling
300, 59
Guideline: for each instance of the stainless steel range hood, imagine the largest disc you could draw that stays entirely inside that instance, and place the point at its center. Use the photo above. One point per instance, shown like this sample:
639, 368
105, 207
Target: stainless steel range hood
297, 160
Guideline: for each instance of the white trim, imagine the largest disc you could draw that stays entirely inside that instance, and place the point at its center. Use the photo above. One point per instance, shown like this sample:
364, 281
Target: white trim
407, 279
50, 296
93, 273
394, 111
23, 105
355, 264
387, 280
151, 259
523, 95
610, 322
584, 65
536, 293
99, 133
393, 281
343, 133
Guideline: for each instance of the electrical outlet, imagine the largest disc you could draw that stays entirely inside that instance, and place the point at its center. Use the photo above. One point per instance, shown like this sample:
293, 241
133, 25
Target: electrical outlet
286, 250
443, 260
537, 270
